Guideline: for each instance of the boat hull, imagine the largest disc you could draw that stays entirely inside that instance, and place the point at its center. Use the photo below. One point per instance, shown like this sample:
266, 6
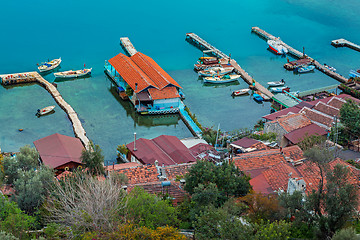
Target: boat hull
217, 80
241, 92
78, 73
276, 47
57, 63
45, 110
276, 84
212, 72
305, 69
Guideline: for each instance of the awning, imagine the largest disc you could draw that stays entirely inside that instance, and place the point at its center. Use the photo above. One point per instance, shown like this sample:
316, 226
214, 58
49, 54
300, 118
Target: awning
143, 96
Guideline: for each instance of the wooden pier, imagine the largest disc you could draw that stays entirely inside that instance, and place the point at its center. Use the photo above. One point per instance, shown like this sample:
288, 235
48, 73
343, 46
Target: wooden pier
127, 46
8, 79
203, 45
345, 43
298, 54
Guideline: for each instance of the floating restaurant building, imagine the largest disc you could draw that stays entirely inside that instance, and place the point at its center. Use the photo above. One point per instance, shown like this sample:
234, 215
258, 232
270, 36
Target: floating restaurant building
145, 83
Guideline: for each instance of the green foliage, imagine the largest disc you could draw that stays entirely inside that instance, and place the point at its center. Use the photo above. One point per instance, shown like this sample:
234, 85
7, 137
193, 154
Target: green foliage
349, 90
272, 231
55, 231
13, 220
129, 91
352, 162
193, 117
346, 234
350, 117
93, 160
122, 149
209, 135
271, 136
259, 125
149, 210
7, 236
311, 141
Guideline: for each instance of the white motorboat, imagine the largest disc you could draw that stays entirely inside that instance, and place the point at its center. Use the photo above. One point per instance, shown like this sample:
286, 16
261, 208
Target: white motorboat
277, 83
222, 79
240, 92
329, 67
47, 66
73, 74
279, 89
215, 71
277, 47
45, 110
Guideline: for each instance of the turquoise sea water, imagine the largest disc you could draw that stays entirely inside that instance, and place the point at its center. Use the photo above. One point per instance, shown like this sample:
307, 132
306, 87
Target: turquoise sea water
89, 31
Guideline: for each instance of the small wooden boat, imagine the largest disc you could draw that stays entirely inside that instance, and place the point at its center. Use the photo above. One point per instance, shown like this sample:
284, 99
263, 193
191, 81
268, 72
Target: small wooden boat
47, 66
279, 89
276, 84
222, 79
329, 67
257, 97
240, 92
305, 69
73, 74
45, 110
215, 71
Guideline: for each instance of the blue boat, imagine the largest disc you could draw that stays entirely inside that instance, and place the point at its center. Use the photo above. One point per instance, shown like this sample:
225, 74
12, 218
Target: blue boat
354, 74
305, 69
258, 98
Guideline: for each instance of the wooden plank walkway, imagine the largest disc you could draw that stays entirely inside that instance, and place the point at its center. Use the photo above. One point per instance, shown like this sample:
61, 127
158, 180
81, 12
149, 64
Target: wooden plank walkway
345, 43
127, 46
299, 54
202, 44
36, 77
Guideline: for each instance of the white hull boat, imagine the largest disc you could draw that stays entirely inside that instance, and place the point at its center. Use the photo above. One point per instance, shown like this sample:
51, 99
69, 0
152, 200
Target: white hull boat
223, 79
329, 67
45, 110
215, 71
49, 65
277, 47
276, 84
279, 89
73, 74
240, 92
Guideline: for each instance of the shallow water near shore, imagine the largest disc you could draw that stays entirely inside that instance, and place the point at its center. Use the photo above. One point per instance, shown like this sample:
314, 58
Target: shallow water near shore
89, 31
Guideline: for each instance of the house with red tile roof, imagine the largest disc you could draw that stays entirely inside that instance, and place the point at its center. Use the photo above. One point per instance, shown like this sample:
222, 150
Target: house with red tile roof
299, 134
165, 150
60, 152
154, 90
246, 144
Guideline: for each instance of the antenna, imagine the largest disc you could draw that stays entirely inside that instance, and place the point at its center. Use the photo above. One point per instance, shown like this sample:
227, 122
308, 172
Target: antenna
217, 135
135, 141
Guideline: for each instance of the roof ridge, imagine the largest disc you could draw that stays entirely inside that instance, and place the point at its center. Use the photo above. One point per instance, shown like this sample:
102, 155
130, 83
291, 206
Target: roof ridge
62, 145
327, 105
163, 151
316, 111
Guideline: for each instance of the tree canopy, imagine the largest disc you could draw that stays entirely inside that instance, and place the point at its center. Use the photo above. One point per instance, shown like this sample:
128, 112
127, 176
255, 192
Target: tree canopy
93, 160
350, 117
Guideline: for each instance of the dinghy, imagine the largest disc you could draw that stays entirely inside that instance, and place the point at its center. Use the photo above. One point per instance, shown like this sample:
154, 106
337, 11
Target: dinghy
276, 84
73, 74
240, 92
45, 110
47, 66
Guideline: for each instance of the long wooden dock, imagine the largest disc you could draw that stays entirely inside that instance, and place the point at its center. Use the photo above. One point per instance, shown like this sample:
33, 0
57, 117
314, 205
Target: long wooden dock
127, 46
8, 79
297, 54
203, 45
345, 43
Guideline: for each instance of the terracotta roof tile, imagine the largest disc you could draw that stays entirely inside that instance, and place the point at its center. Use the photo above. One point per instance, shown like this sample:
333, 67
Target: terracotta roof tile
298, 135
245, 142
180, 170
260, 185
327, 109
318, 117
116, 167
165, 93
293, 152
336, 102
293, 121
141, 174
278, 175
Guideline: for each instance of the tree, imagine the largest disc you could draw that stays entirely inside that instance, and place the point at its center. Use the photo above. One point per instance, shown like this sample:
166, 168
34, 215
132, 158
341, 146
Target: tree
86, 203
7, 236
272, 231
229, 181
93, 160
346, 234
311, 141
149, 210
350, 117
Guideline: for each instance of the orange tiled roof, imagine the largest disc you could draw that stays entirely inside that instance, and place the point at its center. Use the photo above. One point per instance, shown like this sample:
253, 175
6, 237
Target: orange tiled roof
153, 70
165, 93
336, 102
294, 153
177, 170
318, 117
131, 73
120, 166
141, 174
293, 121
327, 109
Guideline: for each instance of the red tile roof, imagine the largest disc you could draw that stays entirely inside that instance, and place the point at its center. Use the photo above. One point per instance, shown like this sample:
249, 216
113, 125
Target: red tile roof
154, 71
117, 167
168, 92
336, 102
293, 121
140, 174
131, 73
293, 153
245, 142
327, 109
56, 150
180, 170
318, 117
260, 185
281, 113
298, 135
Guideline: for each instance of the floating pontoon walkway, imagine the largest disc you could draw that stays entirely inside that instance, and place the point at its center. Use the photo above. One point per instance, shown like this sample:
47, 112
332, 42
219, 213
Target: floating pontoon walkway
203, 45
127, 46
194, 129
317, 90
345, 43
299, 54
27, 77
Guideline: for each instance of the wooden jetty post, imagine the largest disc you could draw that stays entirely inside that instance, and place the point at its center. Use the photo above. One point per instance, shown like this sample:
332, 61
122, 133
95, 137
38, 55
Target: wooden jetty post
8, 79
345, 43
127, 46
203, 45
297, 54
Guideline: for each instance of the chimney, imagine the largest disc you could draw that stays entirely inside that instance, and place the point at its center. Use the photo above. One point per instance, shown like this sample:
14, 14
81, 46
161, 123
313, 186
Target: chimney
113, 165
136, 86
135, 141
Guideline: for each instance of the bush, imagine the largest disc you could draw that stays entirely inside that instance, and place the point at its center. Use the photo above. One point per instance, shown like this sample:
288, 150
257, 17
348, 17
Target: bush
346, 234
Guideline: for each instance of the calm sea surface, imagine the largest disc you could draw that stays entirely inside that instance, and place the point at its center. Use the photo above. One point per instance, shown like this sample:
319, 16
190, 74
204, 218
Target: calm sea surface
88, 32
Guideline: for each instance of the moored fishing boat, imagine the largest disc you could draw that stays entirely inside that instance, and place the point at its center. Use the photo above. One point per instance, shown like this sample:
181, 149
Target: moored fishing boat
215, 71
279, 89
277, 47
277, 83
305, 69
73, 74
240, 92
257, 97
264, 96
47, 66
45, 110
354, 74
222, 79
329, 67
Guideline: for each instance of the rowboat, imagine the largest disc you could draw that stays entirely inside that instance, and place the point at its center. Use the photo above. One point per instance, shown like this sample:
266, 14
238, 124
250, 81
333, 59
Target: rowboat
279, 89
277, 83
277, 47
257, 97
45, 110
222, 79
264, 96
73, 74
47, 66
215, 71
240, 92
305, 69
